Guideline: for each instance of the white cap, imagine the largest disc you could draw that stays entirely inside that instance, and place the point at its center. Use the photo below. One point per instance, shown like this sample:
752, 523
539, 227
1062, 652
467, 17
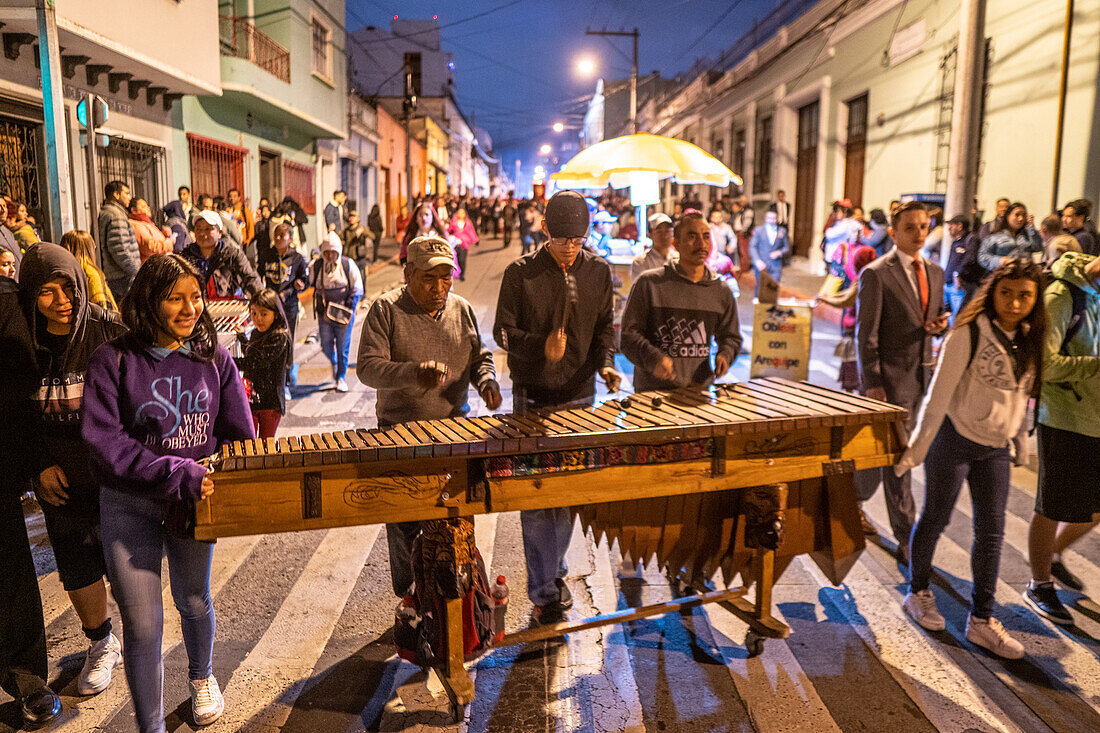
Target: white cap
212, 218
657, 219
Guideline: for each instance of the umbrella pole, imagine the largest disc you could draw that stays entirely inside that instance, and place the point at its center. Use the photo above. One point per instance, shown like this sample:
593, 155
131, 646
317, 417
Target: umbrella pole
641, 221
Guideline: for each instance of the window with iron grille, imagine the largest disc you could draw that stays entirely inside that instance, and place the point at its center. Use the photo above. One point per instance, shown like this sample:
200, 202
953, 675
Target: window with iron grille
322, 57
21, 157
762, 168
139, 166
216, 167
298, 184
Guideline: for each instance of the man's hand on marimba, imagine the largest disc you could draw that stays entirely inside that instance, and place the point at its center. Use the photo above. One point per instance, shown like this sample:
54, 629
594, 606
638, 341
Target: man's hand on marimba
430, 374
490, 392
665, 369
555, 346
721, 365
611, 378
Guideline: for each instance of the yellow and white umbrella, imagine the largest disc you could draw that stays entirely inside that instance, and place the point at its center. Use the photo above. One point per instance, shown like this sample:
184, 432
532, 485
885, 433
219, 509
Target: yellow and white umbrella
638, 162
626, 160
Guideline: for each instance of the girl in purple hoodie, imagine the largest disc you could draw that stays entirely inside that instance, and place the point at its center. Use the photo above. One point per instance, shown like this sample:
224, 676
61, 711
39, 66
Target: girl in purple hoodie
156, 402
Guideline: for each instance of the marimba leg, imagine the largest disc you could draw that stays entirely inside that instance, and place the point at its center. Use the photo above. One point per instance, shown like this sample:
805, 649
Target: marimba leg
456, 680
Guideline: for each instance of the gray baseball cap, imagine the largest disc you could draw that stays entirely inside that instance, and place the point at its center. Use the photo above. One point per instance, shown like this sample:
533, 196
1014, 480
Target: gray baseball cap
425, 253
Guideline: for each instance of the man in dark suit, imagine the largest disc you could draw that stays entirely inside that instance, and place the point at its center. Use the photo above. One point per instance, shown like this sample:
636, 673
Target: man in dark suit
782, 209
899, 308
769, 245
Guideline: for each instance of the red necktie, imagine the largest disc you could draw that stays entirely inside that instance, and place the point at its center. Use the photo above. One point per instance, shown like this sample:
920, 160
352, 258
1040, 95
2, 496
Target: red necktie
922, 285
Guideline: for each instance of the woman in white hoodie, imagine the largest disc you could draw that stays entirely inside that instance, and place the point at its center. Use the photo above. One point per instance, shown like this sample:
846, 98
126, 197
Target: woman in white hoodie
971, 417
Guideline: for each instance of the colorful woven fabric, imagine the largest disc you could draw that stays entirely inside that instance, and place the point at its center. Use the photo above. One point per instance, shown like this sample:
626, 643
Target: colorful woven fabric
590, 458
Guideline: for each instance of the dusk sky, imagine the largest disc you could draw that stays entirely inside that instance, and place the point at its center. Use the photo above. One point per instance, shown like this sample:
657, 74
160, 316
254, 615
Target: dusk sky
515, 67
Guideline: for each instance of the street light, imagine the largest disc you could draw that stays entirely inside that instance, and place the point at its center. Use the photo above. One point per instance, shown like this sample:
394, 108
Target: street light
545, 149
559, 126
586, 66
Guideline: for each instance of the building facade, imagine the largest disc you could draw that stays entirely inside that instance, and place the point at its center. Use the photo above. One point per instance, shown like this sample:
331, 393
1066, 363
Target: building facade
847, 99
107, 50
283, 80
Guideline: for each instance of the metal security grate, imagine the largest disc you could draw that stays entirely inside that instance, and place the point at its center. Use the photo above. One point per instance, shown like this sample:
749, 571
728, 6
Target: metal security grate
138, 165
20, 163
298, 183
216, 167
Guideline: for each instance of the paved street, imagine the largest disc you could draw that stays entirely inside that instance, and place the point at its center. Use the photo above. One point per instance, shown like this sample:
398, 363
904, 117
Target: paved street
304, 645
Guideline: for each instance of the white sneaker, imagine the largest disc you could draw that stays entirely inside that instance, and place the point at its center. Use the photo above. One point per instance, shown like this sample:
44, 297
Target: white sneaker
206, 700
922, 607
991, 635
102, 658
341, 385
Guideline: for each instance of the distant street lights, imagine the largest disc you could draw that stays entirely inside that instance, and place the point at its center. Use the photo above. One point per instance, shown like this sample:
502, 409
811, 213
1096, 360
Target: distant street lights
559, 126
545, 149
586, 66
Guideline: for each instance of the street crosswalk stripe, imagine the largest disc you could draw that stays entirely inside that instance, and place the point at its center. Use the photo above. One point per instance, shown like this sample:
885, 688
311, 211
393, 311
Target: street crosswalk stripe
777, 692
229, 555
263, 687
914, 660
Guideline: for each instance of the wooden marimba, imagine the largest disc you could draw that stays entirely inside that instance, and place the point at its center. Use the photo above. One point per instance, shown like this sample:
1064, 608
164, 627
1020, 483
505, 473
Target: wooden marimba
738, 479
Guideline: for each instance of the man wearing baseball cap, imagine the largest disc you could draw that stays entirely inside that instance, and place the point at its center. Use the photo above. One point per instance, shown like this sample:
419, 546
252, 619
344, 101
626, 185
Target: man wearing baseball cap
601, 233
554, 320
661, 252
226, 271
420, 349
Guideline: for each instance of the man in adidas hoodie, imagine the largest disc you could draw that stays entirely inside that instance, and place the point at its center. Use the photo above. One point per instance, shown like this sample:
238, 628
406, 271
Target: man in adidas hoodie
673, 314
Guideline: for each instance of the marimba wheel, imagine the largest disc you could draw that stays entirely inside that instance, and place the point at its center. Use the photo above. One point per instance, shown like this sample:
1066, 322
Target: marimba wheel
754, 643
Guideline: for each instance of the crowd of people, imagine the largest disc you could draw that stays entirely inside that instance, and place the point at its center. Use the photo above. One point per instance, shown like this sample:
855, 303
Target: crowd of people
119, 377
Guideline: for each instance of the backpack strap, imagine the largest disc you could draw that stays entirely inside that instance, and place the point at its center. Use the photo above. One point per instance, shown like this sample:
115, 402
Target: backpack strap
975, 335
1077, 314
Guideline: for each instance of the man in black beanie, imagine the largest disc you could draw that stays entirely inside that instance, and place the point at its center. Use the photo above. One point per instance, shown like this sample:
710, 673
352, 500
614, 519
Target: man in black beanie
557, 337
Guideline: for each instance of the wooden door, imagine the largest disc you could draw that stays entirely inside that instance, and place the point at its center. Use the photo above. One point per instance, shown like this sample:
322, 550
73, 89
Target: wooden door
855, 150
805, 178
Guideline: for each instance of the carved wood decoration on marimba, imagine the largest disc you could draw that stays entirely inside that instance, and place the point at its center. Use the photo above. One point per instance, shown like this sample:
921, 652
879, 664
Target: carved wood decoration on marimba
737, 479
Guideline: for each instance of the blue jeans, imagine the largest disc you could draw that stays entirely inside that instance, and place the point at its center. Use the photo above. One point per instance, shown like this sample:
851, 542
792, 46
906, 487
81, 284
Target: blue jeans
335, 343
952, 458
134, 542
954, 297
546, 534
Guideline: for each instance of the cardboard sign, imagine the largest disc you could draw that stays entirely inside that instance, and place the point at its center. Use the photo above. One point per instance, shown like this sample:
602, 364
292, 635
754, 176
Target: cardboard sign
781, 340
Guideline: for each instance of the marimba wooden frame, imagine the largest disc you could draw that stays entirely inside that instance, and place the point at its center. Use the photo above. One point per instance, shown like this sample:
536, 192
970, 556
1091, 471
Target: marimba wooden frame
426, 472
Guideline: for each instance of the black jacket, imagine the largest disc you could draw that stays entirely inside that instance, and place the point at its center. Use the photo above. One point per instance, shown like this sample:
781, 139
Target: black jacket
532, 293
20, 380
227, 271
58, 403
264, 363
963, 261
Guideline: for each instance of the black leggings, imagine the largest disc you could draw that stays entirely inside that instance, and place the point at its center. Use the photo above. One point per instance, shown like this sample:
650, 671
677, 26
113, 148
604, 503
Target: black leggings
461, 253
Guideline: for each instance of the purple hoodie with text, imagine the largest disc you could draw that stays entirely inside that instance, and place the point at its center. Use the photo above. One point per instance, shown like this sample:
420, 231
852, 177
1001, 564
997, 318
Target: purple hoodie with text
150, 415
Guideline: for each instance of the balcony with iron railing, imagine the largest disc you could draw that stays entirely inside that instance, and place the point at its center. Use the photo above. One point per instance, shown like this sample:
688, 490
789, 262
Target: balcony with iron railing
241, 39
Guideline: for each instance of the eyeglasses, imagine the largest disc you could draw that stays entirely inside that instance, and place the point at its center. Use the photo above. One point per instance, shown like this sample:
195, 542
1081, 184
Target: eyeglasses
570, 242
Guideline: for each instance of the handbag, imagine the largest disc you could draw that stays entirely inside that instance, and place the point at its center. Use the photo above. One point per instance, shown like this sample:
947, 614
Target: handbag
338, 314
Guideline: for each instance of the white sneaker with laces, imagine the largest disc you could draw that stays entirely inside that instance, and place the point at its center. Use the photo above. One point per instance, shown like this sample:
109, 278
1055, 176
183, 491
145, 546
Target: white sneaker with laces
102, 658
990, 634
207, 703
922, 607
341, 385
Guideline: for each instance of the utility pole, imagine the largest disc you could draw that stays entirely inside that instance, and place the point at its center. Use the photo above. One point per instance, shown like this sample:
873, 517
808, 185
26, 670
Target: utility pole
53, 111
1064, 83
408, 106
962, 157
633, 71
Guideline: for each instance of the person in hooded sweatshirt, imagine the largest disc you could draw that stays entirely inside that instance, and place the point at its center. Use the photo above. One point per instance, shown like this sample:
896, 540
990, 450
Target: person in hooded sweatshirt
157, 402
66, 328
23, 663
673, 314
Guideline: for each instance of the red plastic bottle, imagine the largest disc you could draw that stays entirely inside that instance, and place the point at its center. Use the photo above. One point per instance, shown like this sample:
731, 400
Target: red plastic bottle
499, 594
